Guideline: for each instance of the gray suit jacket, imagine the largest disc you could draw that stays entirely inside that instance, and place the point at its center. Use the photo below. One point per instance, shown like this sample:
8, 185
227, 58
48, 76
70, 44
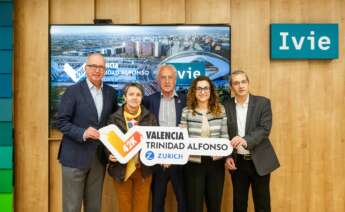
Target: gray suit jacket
258, 127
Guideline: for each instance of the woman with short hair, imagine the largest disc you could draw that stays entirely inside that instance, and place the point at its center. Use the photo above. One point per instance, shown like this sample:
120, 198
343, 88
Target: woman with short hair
133, 188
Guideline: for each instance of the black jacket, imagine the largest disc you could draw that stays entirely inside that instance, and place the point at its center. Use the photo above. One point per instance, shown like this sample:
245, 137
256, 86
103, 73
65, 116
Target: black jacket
258, 128
117, 170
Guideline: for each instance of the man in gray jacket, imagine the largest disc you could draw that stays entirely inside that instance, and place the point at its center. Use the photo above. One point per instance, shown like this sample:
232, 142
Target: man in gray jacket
249, 126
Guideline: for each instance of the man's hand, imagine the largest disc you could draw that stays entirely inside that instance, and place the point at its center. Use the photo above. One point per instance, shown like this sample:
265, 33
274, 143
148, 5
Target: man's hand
230, 164
238, 141
112, 158
216, 157
166, 165
91, 133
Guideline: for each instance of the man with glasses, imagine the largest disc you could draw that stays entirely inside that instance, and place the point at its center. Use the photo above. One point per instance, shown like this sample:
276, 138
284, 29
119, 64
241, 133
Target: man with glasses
84, 108
249, 126
167, 106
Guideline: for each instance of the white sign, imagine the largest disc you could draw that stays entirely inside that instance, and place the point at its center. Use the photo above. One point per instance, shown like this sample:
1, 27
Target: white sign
160, 145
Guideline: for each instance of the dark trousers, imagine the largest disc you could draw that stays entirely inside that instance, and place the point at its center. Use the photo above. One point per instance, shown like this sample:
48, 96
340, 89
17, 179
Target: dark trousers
160, 179
246, 176
204, 180
83, 186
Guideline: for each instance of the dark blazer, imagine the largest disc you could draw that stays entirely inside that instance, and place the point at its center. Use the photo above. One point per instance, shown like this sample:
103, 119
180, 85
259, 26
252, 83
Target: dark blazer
117, 170
258, 127
76, 112
153, 102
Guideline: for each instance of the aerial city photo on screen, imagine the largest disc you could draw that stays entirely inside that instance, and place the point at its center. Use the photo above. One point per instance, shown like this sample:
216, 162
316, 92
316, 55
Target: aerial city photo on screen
133, 53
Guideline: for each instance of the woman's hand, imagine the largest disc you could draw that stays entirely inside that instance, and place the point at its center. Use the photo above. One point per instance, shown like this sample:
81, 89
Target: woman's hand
230, 164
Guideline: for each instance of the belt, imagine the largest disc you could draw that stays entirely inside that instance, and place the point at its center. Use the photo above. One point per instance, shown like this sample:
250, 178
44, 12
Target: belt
245, 157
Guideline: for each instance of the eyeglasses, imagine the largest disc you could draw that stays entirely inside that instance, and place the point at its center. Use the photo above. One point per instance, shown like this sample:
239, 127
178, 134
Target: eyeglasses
236, 83
205, 89
95, 67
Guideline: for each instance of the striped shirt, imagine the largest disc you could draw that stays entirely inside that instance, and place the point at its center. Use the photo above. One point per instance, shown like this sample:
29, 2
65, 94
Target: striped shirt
167, 112
218, 127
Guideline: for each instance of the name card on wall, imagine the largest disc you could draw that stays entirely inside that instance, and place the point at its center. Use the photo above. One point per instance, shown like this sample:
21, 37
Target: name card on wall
304, 41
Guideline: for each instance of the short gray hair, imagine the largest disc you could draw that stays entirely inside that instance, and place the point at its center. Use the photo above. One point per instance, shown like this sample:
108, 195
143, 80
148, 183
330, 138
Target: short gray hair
94, 54
237, 72
165, 66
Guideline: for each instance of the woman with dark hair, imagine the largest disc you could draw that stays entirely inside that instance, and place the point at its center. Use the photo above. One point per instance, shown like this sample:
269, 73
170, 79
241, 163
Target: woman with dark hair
132, 180
204, 116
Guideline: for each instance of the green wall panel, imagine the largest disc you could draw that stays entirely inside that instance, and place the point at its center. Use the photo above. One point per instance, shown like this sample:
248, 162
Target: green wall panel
6, 149
6, 38
6, 109
6, 13
6, 61
6, 134
6, 202
5, 85
6, 157
6, 177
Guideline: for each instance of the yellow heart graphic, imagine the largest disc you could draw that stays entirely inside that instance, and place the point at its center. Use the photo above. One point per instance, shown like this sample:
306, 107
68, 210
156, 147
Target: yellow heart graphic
124, 147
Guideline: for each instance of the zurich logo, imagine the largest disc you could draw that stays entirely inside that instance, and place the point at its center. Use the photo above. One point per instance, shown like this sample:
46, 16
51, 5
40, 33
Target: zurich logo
149, 155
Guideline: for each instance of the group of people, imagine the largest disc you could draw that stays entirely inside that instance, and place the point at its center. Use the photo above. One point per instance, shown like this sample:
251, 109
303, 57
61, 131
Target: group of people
245, 120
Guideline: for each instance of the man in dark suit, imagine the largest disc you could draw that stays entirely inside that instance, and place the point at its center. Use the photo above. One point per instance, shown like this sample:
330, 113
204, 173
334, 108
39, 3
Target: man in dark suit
167, 106
84, 108
249, 126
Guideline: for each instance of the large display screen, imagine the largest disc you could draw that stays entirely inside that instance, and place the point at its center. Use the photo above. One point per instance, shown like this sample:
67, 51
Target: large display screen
133, 53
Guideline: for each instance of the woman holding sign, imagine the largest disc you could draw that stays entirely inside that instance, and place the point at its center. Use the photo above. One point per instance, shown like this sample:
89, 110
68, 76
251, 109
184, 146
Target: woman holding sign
132, 180
204, 116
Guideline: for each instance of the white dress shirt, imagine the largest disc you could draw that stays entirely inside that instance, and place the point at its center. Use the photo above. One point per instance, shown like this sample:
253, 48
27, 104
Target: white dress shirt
97, 95
241, 115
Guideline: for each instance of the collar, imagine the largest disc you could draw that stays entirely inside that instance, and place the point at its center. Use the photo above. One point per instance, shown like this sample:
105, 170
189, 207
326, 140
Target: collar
245, 104
92, 86
174, 95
